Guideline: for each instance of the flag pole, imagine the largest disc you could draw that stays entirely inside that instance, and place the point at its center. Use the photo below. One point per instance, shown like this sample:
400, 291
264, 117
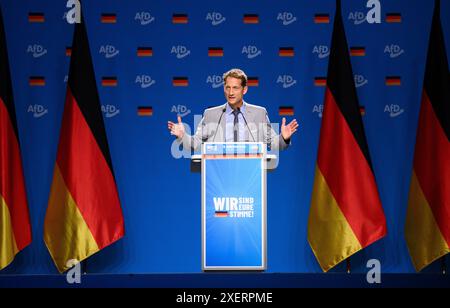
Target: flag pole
443, 265
349, 265
84, 267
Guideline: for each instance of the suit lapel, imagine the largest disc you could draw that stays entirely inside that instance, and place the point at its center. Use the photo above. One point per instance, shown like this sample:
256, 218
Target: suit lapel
223, 124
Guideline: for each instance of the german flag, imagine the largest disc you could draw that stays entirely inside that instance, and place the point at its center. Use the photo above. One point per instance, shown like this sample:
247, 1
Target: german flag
322, 18
253, 81
357, 51
251, 19
110, 81
393, 81
36, 81
180, 81
145, 52
145, 111
68, 51
221, 214
362, 110
108, 18
15, 228
286, 111
34, 17
393, 18
84, 214
346, 214
215, 52
180, 18
320, 81
286, 52
427, 228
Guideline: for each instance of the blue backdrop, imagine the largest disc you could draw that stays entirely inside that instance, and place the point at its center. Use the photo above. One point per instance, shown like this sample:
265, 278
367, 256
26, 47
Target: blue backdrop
160, 196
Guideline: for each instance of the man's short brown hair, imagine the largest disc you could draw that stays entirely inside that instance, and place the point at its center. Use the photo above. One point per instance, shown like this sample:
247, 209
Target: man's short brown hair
236, 73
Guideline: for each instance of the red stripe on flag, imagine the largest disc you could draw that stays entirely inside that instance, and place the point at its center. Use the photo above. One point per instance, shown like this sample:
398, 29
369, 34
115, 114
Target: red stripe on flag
349, 176
88, 177
12, 183
431, 164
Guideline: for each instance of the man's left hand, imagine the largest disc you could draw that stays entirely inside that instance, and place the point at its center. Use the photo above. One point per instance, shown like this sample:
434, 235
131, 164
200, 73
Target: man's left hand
288, 130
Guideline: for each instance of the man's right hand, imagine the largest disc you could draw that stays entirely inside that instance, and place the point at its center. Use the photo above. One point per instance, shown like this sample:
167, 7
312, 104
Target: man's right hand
176, 129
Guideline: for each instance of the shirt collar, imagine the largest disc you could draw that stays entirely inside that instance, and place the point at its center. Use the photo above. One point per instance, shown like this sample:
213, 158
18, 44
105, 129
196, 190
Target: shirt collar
229, 110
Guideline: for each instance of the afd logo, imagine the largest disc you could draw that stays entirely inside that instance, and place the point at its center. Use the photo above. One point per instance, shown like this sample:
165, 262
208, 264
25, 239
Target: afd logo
216, 81
321, 51
215, 18
144, 18
180, 51
393, 51
318, 109
109, 51
110, 110
251, 51
360, 81
180, 110
357, 17
144, 81
373, 16
287, 18
38, 111
286, 80
393, 110
36, 50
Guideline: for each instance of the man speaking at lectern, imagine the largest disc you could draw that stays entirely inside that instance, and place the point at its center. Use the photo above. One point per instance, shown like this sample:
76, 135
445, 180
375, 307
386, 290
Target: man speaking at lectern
235, 121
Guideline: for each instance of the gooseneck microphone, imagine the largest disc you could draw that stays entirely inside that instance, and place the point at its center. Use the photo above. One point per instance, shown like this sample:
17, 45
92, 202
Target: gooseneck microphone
246, 124
218, 123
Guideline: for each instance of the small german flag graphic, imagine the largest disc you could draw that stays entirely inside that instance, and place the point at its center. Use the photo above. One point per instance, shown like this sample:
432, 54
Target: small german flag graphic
251, 19
357, 51
180, 81
68, 51
286, 52
109, 81
145, 52
145, 111
362, 110
252, 81
215, 52
180, 18
393, 18
221, 214
109, 18
393, 81
286, 111
321, 18
36, 17
320, 81
37, 81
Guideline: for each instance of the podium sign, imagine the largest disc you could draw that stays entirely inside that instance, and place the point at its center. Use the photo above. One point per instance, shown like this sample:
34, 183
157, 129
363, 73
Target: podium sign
234, 206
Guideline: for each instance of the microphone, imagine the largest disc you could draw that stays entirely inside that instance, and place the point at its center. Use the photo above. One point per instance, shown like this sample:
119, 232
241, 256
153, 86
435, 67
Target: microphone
218, 123
246, 124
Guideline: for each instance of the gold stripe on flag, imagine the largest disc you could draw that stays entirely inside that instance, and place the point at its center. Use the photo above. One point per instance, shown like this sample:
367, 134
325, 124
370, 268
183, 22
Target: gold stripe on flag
66, 233
329, 234
8, 246
423, 236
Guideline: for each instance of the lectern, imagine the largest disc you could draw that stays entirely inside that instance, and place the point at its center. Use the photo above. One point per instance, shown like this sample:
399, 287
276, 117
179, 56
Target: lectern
233, 205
